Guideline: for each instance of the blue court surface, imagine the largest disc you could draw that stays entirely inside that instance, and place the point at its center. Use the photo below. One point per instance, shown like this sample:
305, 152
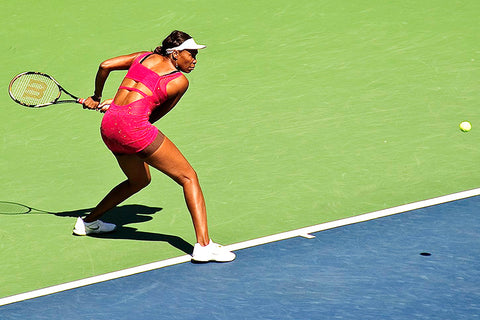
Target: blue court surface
422, 264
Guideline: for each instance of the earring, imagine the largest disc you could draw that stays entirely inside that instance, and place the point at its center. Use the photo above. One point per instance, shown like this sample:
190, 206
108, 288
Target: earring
175, 59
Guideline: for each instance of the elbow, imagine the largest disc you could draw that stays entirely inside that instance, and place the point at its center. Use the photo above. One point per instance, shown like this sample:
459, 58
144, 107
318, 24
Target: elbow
105, 66
108, 65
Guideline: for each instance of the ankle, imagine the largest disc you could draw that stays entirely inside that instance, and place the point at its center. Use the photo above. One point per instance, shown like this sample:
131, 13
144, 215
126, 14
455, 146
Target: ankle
88, 220
204, 242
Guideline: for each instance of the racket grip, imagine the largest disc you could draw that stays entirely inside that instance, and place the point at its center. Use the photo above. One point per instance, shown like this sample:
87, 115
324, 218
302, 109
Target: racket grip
80, 100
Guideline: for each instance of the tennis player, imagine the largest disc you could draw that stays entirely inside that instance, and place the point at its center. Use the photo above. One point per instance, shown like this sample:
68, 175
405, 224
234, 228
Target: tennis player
153, 85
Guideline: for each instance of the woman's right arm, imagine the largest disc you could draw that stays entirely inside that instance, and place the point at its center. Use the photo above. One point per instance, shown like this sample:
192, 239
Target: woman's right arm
117, 63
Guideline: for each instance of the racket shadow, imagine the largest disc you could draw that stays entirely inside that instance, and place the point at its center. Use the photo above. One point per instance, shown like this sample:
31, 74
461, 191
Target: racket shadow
15, 208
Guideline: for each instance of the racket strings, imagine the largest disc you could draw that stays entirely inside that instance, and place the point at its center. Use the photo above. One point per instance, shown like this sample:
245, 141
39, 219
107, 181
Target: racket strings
34, 89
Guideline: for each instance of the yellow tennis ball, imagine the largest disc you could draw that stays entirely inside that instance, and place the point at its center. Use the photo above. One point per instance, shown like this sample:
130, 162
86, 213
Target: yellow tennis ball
465, 126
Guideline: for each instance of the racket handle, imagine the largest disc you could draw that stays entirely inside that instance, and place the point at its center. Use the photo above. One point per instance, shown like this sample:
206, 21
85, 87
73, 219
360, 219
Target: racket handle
81, 100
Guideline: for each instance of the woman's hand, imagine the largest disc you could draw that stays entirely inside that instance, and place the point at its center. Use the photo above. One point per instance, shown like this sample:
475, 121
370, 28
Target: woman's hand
103, 107
91, 104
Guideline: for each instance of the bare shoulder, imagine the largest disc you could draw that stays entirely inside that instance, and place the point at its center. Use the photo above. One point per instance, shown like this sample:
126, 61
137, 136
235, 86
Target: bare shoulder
131, 57
177, 86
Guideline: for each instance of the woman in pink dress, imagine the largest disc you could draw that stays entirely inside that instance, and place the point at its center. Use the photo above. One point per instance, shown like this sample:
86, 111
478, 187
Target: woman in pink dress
152, 86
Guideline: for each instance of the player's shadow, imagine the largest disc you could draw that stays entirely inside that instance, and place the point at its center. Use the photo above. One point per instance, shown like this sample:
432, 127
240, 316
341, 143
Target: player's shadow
129, 214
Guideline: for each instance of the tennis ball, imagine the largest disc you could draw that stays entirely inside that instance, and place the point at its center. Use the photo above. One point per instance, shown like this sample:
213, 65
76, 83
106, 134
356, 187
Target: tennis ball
465, 126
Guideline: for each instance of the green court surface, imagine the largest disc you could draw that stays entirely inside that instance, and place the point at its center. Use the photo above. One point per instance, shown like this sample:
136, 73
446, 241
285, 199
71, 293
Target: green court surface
298, 113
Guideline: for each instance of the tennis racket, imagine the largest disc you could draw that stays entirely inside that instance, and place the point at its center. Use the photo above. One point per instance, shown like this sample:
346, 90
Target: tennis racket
36, 90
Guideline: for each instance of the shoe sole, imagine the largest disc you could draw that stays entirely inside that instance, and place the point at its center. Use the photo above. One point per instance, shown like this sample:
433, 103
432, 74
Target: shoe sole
76, 233
212, 260
209, 261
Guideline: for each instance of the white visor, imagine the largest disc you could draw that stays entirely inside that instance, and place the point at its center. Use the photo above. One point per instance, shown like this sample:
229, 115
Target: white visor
189, 44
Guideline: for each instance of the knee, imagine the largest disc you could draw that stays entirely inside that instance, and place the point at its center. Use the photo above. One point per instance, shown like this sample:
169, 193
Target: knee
188, 177
139, 184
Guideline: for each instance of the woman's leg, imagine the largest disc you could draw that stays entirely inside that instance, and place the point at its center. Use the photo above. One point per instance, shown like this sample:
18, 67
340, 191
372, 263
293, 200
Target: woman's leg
169, 160
138, 177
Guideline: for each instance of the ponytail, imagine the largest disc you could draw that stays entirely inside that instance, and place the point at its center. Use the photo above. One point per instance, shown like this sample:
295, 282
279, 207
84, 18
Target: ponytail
159, 50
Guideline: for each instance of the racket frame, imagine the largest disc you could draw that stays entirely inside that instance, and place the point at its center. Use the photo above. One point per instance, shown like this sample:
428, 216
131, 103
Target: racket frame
55, 101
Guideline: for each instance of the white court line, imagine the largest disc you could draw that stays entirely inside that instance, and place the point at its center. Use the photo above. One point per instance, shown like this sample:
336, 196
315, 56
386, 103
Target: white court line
303, 232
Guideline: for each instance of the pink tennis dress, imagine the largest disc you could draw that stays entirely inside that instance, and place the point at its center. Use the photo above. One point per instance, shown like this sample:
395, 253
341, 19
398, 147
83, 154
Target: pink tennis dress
126, 129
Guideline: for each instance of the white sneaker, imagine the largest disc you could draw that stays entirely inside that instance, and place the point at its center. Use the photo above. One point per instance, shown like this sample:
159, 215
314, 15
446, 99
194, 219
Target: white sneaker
212, 252
83, 228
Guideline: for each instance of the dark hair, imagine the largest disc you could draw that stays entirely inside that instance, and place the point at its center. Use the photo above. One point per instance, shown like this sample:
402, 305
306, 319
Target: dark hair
173, 40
